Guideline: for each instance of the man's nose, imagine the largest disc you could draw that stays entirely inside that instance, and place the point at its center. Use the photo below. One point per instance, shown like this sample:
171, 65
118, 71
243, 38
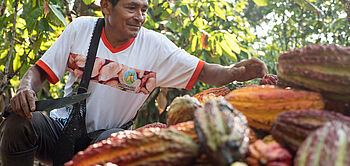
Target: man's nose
140, 16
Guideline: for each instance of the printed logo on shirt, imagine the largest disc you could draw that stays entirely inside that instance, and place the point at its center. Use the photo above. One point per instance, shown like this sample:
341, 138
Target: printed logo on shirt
114, 74
130, 77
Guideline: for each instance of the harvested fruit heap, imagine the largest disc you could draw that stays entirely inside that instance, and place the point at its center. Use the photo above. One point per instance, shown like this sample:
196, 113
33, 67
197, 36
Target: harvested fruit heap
216, 130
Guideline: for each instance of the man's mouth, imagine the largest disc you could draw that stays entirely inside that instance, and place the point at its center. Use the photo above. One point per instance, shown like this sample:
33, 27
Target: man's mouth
135, 25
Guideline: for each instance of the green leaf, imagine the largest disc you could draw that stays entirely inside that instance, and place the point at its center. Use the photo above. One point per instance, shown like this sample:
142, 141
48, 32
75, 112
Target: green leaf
309, 6
219, 12
32, 18
24, 69
44, 25
261, 2
58, 14
54, 20
16, 62
171, 26
232, 43
184, 9
228, 51
218, 48
37, 44
88, 2
194, 43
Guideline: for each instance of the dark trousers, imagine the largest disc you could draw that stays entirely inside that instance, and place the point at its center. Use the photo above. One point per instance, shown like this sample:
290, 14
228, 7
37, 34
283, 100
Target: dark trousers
23, 139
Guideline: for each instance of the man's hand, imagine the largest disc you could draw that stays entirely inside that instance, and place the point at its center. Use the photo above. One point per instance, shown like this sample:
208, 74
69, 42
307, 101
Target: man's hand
23, 103
249, 69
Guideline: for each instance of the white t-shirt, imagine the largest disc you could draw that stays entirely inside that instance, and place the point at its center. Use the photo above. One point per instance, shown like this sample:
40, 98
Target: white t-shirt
122, 77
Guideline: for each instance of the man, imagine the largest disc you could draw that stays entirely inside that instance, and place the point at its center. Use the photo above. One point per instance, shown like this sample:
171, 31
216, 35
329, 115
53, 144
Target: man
131, 61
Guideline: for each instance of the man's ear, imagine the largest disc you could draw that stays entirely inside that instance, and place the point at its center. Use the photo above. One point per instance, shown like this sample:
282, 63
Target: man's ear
106, 6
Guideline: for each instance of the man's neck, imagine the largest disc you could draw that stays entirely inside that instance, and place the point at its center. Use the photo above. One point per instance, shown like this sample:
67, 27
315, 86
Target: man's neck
113, 38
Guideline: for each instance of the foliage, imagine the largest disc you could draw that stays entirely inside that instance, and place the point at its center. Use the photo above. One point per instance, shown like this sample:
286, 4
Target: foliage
286, 26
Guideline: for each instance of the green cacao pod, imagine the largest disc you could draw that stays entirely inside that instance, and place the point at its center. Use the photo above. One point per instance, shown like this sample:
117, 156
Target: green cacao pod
182, 109
152, 146
322, 68
222, 131
326, 146
291, 128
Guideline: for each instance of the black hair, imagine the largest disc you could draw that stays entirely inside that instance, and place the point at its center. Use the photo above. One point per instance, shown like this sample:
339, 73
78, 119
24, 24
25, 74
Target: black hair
114, 2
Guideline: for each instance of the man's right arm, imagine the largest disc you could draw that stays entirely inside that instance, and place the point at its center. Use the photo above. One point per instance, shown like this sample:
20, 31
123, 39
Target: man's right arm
23, 103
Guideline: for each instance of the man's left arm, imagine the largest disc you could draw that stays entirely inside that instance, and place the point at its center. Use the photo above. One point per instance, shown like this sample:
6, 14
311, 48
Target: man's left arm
217, 75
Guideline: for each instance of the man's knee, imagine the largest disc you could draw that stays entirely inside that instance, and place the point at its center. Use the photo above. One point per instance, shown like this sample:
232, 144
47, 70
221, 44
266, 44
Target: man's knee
17, 134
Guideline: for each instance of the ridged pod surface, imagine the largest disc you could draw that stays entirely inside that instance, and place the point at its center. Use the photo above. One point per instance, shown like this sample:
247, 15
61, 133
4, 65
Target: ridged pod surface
152, 125
187, 128
269, 154
262, 104
182, 109
291, 128
322, 68
212, 92
222, 132
152, 146
326, 146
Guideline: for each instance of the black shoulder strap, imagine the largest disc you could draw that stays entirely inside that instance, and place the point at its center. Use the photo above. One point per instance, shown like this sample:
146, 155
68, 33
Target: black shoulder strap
90, 60
70, 140
89, 64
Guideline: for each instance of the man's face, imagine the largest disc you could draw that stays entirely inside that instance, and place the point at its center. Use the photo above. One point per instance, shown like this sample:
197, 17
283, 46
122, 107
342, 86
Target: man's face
127, 17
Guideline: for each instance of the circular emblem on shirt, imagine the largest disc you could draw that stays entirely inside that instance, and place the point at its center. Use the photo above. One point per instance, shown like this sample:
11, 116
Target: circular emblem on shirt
130, 77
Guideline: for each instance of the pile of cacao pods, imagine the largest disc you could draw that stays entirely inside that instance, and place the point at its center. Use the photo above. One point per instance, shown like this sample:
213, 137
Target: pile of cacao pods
300, 121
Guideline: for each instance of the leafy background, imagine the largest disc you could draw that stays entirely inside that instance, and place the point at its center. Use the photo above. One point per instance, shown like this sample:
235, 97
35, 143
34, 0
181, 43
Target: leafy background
216, 31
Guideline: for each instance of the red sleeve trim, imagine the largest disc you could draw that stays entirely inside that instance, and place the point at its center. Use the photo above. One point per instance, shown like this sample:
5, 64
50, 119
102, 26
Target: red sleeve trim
195, 75
52, 76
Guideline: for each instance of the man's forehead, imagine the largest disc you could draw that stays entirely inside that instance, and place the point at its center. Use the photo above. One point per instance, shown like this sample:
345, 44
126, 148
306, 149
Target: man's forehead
134, 2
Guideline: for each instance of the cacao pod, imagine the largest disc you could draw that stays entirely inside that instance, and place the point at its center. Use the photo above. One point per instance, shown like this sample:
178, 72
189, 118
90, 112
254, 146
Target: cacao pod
261, 154
182, 109
152, 125
211, 93
262, 104
326, 146
222, 132
152, 146
269, 79
322, 68
187, 128
291, 128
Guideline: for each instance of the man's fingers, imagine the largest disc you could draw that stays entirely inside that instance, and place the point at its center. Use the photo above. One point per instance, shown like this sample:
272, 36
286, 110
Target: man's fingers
31, 101
17, 108
24, 105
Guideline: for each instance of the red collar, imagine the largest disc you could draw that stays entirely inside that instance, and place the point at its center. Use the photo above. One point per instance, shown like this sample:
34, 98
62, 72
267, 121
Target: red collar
117, 49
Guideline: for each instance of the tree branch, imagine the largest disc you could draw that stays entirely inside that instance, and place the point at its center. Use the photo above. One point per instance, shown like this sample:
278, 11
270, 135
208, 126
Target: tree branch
12, 44
4, 79
3, 8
